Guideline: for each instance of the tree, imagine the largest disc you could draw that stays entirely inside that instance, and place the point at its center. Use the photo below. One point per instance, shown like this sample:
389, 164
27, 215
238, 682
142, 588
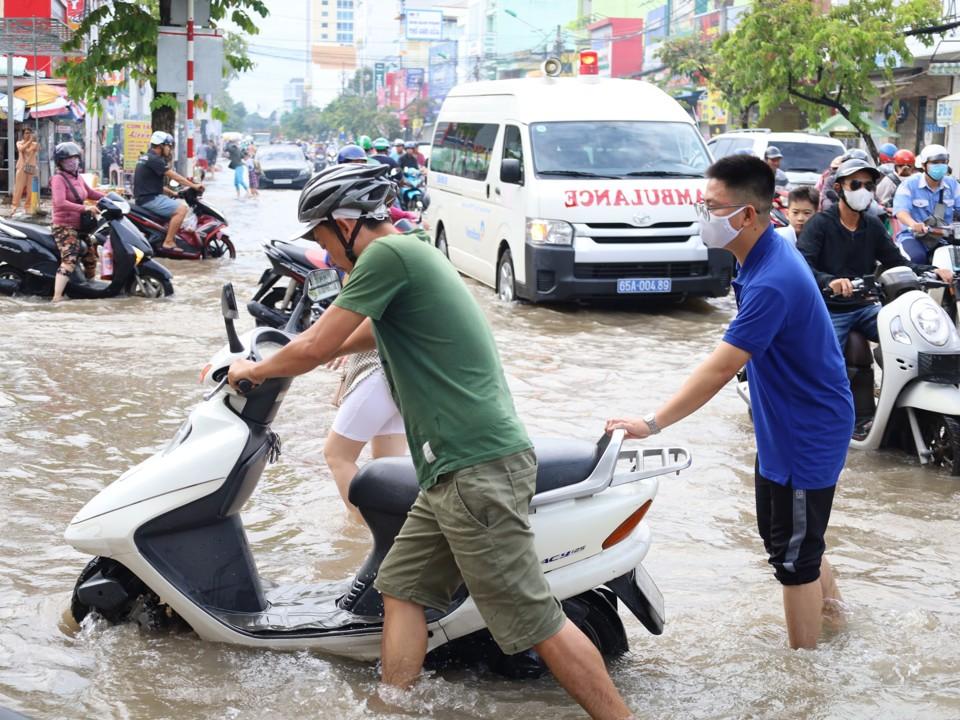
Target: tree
127, 41
696, 59
821, 60
358, 115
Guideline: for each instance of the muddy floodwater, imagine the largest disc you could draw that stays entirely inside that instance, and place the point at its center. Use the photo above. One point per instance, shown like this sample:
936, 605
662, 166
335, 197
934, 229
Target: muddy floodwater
90, 388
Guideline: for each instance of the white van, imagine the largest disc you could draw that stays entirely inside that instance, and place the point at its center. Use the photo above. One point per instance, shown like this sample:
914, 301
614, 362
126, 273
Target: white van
559, 189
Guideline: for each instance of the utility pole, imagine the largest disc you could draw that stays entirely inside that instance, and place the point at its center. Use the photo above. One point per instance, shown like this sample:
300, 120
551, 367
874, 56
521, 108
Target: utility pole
558, 44
190, 38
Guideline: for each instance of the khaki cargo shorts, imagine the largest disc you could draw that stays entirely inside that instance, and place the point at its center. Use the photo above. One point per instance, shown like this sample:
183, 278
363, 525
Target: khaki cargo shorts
471, 528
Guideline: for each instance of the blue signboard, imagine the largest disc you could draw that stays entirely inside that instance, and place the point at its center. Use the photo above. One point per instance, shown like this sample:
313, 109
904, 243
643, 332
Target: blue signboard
415, 78
656, 24
443, 69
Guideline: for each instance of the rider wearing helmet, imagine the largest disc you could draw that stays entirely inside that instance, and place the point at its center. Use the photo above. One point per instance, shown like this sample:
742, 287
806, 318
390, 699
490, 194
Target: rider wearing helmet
69, 191
773, 157
845, 242
903, 162
828, 196
406, 299
381, 153
366, 143
150, 189
926, 204
410, 159
397, 151
886, 153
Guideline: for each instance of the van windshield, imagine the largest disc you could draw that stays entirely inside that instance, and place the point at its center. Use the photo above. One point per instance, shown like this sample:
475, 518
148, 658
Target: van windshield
618, 149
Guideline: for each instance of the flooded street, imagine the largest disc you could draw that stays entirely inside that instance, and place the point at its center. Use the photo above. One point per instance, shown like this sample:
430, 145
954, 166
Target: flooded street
90, 388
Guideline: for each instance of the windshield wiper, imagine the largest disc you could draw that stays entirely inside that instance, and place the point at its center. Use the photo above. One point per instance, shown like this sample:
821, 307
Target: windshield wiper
577, 173
661, 173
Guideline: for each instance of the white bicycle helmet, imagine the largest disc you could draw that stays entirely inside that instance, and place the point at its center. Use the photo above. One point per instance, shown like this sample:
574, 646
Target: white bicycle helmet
933, 153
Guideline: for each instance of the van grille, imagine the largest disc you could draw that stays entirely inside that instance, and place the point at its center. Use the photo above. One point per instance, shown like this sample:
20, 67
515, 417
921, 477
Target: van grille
628, 226
625, 239
611, 271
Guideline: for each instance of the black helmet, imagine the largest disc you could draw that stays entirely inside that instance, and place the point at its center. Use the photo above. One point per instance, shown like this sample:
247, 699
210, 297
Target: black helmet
410, 145
856, 154
772, 153
351, 154
855, 165
66, 150
346, 191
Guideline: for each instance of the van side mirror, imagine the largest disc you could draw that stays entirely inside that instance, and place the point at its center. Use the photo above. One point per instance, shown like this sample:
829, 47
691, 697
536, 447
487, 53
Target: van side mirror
511, 171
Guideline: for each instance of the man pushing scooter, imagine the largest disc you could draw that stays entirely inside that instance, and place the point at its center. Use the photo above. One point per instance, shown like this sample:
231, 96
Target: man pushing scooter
475, 464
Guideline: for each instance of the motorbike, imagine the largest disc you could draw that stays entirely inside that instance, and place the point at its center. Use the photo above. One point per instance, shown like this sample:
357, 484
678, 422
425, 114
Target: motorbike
29, 258
204, 237
273, 302
169, 543
778, 210
413, 196
918, 405
947, 257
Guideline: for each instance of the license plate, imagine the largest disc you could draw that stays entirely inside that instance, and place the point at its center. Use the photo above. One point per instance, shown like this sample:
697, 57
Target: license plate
285, 181
627, 286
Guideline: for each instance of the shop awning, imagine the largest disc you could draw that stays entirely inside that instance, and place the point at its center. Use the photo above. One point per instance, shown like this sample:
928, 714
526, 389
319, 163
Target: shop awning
39, 94
19, 107
839, 126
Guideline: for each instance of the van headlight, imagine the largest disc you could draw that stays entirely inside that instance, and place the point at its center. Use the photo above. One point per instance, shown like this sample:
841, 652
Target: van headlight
930, 321
549, 232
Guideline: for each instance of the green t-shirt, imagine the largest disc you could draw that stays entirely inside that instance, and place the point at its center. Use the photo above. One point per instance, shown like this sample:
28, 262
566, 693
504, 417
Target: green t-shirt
438, 355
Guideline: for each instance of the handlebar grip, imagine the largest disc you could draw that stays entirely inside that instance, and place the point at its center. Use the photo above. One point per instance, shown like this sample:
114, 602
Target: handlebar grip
245, 386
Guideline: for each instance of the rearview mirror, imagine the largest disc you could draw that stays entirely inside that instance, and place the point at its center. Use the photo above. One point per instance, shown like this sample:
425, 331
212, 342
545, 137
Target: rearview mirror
228, 303
511, 171
174, 184
322, 284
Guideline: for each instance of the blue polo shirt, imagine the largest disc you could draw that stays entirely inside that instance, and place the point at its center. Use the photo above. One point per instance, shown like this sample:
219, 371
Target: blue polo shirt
916, 197
799, 392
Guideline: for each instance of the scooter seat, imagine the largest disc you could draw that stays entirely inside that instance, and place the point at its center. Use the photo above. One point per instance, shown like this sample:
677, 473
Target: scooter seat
38, 233
389, 485
311, 257
148, 214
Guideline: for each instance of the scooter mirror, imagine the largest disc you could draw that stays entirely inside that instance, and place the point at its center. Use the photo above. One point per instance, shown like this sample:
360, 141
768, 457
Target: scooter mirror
322, 284
228, 303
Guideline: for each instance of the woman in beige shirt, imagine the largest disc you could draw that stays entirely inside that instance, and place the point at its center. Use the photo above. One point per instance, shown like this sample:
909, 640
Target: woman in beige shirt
27, 147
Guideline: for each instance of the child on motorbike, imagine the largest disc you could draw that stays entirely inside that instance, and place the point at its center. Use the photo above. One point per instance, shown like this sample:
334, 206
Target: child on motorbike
69, 192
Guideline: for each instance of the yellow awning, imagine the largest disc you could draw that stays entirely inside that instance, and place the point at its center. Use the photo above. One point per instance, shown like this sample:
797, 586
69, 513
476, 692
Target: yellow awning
38, 95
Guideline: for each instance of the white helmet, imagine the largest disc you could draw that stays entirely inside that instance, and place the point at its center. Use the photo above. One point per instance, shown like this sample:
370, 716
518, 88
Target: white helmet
161, 138
933, 153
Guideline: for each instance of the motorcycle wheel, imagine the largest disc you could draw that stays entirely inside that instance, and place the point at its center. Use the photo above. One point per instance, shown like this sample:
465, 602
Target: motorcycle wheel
152, 285
109, 568
11, 274
941, 433
220, 246
595, 614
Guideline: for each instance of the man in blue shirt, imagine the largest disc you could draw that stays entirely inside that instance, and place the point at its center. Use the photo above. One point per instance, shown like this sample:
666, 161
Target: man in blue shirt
926, 204
802, 406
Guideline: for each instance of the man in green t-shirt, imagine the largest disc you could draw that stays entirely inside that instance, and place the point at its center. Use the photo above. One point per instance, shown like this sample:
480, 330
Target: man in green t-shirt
474, 461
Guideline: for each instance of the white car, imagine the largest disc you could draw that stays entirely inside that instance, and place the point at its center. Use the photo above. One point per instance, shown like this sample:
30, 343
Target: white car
805, 156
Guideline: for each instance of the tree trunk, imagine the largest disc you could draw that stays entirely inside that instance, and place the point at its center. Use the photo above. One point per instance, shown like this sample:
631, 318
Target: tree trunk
164, 118
871, 146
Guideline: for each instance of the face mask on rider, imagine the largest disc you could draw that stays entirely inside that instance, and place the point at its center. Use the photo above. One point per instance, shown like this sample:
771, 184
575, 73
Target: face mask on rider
937, 172
858, 200
717, 232
71, 165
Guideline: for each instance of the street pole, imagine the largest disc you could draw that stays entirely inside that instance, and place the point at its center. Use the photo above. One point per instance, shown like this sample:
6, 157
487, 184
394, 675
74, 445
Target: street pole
11, 127
35, 183
190, 88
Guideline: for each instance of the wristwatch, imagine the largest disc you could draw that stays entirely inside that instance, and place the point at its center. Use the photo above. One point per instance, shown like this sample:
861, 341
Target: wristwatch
651, 421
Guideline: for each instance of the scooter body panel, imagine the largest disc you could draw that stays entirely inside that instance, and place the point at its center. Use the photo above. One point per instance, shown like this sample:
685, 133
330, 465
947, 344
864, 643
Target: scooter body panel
933, 397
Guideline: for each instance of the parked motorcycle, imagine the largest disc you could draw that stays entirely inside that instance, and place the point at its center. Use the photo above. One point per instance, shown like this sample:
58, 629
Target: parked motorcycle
29, 258
207, 237
273, 302
169, 541
413, 195
918, 407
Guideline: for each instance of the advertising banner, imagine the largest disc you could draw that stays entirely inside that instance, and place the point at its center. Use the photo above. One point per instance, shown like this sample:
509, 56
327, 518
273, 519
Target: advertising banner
74, 13
136, 141
424, 24
415, 78
443, 69
379, 75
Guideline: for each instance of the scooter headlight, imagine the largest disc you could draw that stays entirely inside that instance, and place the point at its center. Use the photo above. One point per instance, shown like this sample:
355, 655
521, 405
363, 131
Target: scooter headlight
897, 331
138, 255
930, 321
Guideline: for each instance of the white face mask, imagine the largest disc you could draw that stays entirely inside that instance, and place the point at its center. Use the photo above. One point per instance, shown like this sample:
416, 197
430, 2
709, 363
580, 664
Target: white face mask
717, 232
858, 200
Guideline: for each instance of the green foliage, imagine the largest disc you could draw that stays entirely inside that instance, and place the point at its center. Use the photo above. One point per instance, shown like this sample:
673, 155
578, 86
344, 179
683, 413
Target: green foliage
352, 114
791, 51
127, 41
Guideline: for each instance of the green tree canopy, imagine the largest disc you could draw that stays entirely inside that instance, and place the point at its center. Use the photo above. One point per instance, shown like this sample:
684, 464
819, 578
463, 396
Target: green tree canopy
126, 40
790, 50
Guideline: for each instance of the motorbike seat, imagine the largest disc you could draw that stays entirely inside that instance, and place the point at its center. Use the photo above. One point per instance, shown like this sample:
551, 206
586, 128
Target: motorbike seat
312, 257
37, 233
148, 214
389, 485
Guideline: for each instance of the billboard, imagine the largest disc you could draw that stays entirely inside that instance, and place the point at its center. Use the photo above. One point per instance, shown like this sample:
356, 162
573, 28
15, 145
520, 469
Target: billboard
136, 142
443, 70
424, 24
415, 77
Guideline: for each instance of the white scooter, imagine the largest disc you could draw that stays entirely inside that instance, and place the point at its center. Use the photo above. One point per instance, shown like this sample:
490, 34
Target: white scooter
918, 407
169, 540
947, 257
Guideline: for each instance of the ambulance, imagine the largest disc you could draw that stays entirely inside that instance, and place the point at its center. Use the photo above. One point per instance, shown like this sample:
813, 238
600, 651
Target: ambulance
557, 189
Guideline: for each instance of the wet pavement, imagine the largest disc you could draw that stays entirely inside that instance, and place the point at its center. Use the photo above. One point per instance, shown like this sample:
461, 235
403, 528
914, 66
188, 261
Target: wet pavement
89, 388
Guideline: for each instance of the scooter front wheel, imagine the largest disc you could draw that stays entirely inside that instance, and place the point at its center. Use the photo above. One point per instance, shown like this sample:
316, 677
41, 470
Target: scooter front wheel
151, 285
941, 433
219, 246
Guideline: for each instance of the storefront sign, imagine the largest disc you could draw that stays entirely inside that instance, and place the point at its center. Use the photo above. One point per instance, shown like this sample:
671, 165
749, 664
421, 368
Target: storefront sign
136, 141
74, 13
424, 24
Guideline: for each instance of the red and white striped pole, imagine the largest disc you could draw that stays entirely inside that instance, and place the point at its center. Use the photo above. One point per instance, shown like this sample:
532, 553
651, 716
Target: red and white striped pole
190, 88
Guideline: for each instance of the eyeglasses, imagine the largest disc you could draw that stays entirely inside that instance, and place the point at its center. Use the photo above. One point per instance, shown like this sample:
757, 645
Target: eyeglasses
704, 211
857, 184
